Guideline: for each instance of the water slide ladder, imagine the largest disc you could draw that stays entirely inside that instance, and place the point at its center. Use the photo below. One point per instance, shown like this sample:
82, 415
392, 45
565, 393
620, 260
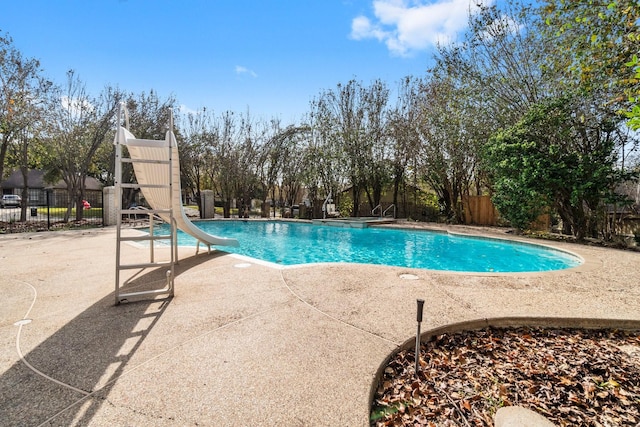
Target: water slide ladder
166, 213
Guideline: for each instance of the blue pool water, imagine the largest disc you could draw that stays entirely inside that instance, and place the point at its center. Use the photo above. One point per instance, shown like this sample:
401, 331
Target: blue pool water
291, 243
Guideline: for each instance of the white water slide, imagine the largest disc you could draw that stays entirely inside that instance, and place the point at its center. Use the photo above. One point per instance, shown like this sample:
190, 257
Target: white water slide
150, 159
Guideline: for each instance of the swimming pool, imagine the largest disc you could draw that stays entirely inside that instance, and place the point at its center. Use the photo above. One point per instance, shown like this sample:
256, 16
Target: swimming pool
292, 243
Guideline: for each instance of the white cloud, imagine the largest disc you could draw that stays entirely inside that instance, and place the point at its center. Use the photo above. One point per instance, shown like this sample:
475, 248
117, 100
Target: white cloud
76, 106
407, 26
186, 110
502, 25
240, 70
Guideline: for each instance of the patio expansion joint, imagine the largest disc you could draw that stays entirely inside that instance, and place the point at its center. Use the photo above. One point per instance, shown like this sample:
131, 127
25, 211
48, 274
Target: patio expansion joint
94, 392
85, 395
335, 319
462, 302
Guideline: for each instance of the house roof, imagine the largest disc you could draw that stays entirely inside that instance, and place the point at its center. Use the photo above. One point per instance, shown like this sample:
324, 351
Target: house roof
90, 183
35, 180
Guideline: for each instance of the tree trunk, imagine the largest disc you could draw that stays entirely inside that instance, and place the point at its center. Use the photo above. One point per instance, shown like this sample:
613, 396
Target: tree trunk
247, 206
25, 194
3, 154
377, 194
370, 198
356, 201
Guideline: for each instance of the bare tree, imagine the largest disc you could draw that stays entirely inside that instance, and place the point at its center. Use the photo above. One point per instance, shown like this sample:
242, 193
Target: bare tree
222, 158
403, 122
327, 170
247, 182
499, 62
275, 159
354, 117
294, 162
450, 151
193, 152
149, 119
377, 144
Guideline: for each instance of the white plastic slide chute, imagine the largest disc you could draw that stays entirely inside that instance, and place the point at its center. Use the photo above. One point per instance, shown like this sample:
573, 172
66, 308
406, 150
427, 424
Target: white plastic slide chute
143, 153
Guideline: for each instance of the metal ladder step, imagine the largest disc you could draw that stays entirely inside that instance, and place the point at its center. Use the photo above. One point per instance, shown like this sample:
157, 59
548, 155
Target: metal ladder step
147, 149
144, 211
145, 265
145, 238
131, 185
158, 162
124, 296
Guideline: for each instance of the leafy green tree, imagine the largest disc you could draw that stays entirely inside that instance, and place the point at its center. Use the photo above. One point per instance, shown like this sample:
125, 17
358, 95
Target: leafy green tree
22, 90
596, 58
599, 40
598, 44
597, 54
559, 156
79, 126
633, 114
485, 83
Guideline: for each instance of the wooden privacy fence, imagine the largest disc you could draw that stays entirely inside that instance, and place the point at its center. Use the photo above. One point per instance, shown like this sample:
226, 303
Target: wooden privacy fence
628, 225
479, 210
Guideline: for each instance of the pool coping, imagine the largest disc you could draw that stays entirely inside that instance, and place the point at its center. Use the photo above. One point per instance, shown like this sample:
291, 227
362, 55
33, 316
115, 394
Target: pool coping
403, 225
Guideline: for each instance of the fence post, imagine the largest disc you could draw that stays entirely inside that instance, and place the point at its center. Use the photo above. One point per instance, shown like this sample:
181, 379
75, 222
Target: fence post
102, 205
48, 192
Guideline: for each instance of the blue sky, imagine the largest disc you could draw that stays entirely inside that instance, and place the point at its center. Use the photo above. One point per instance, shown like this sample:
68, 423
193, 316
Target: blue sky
271, 57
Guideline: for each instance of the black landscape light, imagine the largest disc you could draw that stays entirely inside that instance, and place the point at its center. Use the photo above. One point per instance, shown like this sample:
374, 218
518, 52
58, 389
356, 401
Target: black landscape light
419, 319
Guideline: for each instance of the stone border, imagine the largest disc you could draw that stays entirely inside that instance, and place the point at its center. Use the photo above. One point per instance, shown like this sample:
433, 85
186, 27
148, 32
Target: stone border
501, 322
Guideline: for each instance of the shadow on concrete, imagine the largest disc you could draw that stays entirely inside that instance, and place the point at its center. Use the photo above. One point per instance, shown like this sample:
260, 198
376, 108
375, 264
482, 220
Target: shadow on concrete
89, 354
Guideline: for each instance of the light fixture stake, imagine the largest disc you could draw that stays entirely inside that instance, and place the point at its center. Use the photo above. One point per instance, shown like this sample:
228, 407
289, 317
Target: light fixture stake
419, 319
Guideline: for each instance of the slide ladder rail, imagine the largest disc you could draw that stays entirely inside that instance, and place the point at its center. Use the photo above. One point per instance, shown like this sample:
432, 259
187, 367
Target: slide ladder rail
121, 294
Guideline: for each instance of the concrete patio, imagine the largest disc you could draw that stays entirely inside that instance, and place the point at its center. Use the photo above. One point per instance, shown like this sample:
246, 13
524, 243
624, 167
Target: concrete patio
244, 344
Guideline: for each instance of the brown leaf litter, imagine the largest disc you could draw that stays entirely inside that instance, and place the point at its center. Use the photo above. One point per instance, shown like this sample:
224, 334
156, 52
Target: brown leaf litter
573, 377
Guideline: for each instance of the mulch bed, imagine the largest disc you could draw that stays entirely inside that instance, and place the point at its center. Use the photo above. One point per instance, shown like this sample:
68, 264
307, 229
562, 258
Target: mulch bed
572, 377
33, 226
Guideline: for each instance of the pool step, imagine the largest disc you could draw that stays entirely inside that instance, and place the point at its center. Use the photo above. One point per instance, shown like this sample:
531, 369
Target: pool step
358, 222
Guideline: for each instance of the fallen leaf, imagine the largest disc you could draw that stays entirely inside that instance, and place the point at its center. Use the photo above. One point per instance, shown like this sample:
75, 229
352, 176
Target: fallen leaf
558, 373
